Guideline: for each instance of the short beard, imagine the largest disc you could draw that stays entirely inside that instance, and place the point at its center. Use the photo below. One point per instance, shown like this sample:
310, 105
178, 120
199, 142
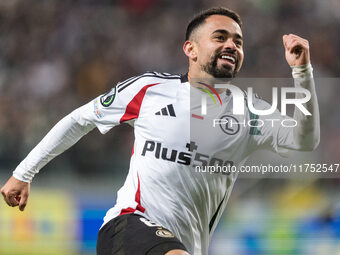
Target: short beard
212, 69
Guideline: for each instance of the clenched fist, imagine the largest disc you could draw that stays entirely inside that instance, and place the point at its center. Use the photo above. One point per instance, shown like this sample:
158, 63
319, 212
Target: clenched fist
16, 193
297, 50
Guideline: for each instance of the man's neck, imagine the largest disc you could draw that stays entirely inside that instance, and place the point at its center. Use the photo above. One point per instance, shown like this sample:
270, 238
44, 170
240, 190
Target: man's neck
203, 80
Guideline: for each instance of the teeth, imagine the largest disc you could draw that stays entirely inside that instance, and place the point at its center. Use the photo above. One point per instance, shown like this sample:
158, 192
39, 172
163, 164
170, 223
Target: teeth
229, 58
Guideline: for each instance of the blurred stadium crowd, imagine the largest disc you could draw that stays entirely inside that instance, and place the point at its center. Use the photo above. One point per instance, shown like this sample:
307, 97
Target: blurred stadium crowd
57, 55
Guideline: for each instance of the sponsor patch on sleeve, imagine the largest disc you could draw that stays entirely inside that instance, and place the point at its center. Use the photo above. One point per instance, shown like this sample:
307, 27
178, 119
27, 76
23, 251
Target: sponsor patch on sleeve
97, 110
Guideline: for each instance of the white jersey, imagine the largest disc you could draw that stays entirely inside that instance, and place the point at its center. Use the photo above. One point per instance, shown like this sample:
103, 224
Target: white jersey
162, 183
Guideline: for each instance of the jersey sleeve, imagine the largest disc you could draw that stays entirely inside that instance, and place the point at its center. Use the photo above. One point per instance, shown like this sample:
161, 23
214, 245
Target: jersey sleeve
272, 132
61, 137
121, 104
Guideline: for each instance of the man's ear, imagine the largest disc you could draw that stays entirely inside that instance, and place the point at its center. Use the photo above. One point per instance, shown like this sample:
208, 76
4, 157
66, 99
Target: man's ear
190, 50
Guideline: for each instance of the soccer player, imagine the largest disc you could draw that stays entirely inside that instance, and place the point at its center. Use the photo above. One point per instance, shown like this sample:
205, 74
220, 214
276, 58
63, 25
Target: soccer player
164, 206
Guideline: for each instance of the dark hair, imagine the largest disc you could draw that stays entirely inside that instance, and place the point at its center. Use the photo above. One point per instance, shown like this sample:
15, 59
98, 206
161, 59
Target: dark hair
200, 18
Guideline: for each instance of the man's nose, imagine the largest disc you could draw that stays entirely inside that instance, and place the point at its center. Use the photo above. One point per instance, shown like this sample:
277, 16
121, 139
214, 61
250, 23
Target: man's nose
230, 44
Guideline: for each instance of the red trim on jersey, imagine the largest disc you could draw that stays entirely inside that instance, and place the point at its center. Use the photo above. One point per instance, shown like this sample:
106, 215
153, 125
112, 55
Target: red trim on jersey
133, 108
133, 150
137, 198
132, 112
139, 206
127, 211
197, 116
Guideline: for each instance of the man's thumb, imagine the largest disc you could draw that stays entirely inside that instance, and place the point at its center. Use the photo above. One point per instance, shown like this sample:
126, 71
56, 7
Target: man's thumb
23, 201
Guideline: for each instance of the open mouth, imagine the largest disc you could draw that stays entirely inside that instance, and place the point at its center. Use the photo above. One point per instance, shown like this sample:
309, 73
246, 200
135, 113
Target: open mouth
229, 59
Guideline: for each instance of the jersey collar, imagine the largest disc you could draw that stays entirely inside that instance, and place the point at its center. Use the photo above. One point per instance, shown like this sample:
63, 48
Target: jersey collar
184, 78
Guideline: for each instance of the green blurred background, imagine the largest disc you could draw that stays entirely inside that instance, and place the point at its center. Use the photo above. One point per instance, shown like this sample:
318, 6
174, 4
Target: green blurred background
57, 55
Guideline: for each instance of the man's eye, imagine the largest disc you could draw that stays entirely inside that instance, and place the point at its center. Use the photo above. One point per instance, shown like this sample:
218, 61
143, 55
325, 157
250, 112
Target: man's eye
238, 43
220, 38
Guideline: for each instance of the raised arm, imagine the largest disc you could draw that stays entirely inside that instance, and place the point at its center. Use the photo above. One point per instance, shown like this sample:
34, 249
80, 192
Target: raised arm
306, 135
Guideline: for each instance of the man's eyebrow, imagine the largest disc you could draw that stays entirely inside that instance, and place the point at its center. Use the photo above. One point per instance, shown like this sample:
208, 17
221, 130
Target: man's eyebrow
226, 32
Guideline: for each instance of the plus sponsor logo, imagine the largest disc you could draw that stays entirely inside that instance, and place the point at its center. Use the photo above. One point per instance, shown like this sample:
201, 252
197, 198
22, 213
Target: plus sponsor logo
189, 157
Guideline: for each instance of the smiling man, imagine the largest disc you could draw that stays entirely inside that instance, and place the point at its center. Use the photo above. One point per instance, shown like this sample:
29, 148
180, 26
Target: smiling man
164, 206
214, 45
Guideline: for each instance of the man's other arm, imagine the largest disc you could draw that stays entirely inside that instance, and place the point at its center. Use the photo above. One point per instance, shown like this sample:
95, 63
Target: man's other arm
61, 137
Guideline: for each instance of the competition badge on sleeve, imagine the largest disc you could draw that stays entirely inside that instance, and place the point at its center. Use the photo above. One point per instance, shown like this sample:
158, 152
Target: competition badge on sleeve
107, 99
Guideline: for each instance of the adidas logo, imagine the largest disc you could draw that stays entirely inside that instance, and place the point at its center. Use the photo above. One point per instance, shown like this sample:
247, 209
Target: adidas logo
167, 111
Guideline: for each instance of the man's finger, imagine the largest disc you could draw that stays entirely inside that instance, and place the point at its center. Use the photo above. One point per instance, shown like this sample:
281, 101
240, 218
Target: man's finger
298, 38
12, 200
288, 42
288, 39
284, 40
295, 46
6, 200
294, 43
295, 36
23, 202
4, 194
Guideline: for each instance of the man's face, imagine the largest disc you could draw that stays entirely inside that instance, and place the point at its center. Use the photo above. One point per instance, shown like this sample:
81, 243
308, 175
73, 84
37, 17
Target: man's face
219, 46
